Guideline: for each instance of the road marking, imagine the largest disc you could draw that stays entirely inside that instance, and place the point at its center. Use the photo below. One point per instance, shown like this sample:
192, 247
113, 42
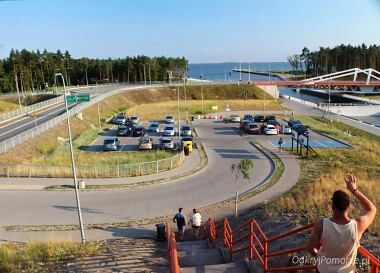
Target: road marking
319, 143
27, 124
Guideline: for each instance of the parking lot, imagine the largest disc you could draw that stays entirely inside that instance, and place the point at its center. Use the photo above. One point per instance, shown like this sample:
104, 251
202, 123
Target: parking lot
129, 143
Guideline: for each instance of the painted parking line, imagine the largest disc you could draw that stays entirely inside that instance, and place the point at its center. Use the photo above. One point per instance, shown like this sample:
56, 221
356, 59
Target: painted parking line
122, 147
311, 144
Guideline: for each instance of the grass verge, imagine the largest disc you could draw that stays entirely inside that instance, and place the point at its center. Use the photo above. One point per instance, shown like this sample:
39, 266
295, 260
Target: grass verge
44, 256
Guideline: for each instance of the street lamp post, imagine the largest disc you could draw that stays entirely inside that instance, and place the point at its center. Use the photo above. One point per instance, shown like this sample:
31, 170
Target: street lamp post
97, 98
179, 117
202, 88
72, 162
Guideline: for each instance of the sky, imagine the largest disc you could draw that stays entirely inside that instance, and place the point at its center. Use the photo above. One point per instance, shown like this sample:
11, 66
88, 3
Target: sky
211, 31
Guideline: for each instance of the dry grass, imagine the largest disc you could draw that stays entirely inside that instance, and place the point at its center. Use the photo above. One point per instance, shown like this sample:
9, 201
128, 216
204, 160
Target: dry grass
44, 257
322, 174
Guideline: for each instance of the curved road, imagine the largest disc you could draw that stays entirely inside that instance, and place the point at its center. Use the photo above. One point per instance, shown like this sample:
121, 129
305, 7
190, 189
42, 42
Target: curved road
213, 184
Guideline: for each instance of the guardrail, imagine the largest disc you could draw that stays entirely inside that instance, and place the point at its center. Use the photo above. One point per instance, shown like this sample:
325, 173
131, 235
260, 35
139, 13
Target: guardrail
30, 108
260, 248
326, 105
172, 250
100, 171
12, 142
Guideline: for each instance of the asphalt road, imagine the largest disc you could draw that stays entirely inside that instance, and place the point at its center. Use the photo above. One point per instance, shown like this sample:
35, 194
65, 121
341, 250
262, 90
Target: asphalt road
213, 184
29, 122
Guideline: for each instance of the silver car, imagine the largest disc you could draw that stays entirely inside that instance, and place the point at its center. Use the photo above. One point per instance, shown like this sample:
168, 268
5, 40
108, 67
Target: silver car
169, 119
168, 130
145, 143
166, 143
235, 118
154, 127
186, 130
134, 119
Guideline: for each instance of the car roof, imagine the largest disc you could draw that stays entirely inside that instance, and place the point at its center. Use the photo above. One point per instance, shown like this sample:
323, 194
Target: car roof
183, 126
134, 116
154, 123
270, 126
139, 127
169, 126
110, 138
166, 138
187, 139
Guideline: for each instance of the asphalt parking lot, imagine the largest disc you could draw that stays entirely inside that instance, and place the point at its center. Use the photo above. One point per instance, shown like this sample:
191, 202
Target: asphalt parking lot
130, 143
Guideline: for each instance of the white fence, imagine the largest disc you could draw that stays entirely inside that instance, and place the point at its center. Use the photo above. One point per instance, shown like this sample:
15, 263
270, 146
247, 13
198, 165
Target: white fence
12, 142
102, 171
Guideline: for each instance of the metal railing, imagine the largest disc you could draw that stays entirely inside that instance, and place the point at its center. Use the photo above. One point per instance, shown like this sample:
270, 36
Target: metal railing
358, 104
172, 250
12, 142
100, 171
30, 108
260, 248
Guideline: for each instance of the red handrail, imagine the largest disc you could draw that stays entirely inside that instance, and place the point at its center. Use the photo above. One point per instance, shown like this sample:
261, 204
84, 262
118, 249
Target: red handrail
172, 250
227, 235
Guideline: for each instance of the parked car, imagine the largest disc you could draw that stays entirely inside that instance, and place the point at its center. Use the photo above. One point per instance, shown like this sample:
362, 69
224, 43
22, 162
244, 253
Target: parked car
145, 143
242, 123
259, 118
129, 125
186, 130
169, 119
121, 119
301, 129
154, 127
111, 144
292, 122
122, 130
134, 119
274, 123
270, 117
252, 128
287, 129
187, 141
270, 130
138, 131
168, 130
248, 117
234, 118
166, 143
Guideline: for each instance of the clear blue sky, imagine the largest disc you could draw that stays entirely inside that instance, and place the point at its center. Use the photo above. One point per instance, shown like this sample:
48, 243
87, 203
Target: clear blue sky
202, 31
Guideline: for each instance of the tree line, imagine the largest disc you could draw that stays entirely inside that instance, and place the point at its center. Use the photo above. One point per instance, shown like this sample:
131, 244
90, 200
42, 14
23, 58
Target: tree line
330, 60
29, 70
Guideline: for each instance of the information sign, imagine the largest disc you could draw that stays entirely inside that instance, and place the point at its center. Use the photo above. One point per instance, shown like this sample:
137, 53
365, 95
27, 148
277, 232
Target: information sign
78, 98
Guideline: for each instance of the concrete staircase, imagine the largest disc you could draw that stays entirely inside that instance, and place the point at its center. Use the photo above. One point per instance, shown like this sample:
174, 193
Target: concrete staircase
198, 257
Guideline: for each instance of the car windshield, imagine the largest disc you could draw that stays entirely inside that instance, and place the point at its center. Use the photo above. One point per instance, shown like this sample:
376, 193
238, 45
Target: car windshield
169, 117
187, 139
253, 126
166, 141
139, 129
133, 117
169, 128
121, 117
109, 141
122, 128
186, 128
154, 125
144, 141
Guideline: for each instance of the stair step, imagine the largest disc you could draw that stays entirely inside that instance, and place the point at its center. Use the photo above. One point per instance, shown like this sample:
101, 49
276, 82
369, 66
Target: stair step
183, 246
233, 267
198, 257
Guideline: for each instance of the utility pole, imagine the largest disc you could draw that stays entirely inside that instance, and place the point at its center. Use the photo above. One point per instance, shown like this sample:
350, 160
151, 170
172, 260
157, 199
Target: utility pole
202, 88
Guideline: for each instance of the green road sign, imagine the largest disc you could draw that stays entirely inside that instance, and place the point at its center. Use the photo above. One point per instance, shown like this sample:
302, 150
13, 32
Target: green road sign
78, 98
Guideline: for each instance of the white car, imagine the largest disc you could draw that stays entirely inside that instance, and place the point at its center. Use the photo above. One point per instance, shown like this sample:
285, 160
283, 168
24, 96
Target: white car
168, 130
134, 119
186, 130
154, 127
169, 119
287, 129
270, 130
235, 118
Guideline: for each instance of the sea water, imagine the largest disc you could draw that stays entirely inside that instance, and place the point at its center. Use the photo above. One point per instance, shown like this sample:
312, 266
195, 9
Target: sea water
223, 72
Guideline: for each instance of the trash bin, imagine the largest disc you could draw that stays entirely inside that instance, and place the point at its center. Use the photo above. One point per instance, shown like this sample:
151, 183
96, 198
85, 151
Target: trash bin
186, 150
192, 118
160, 232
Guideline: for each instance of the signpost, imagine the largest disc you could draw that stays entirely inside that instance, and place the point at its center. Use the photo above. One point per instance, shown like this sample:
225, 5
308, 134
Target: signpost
78, 98
35, 117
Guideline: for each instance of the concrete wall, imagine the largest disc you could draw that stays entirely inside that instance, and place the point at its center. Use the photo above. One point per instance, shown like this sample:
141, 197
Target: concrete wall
354, 111
271, 90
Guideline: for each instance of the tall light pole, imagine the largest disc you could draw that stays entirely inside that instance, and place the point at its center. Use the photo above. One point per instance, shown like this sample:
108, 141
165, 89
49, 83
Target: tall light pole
144, 75
150, 79
86, 77
72, 162
179, 117
184, 91
202, 88
97, 98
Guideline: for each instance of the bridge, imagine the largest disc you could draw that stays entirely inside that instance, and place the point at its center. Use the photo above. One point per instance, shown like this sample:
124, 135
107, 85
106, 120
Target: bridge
330, 81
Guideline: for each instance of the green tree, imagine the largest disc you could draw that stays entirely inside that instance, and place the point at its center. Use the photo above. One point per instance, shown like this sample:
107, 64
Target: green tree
239, 170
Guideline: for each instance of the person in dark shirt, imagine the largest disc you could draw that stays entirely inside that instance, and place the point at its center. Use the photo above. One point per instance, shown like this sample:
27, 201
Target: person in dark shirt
180, 218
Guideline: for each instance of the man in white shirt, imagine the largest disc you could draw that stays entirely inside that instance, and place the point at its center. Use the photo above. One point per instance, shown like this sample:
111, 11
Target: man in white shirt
195, 221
